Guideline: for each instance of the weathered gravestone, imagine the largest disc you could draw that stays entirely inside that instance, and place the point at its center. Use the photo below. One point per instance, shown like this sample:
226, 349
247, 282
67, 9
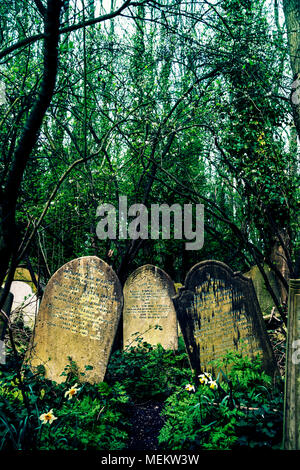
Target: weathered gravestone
78, 318
218, 312
23, 275
264, 298
291, 428
148, 294
25, 301
6, 309
25, 304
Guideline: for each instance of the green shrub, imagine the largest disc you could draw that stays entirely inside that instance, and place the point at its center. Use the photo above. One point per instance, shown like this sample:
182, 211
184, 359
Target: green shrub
93, 418
241, 406
149, 372
244, 410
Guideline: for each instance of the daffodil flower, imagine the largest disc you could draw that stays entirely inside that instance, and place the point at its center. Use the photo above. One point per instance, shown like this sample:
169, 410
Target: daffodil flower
205, 378
47, 417
190, 388
213, 385
202, 379
72, 391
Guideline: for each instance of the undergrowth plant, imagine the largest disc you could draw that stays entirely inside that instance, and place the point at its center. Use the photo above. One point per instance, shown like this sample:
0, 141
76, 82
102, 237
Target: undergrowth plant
242, 407
148, 372
69, 416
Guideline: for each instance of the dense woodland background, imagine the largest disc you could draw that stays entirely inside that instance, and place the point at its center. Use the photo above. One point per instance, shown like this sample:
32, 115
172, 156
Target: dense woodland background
165, 102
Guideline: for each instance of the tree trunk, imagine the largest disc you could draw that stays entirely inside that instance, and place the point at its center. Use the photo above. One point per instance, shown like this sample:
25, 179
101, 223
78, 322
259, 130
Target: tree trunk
28, 139
292, 18
278, 257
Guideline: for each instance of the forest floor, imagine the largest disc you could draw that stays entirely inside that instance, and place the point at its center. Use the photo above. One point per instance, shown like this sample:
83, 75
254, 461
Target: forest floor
146, 424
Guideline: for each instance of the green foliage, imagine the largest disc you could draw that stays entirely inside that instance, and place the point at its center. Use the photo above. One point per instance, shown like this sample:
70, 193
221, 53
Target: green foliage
176, 102
242, 407
93, 418
149, 372
245, 410
181, 111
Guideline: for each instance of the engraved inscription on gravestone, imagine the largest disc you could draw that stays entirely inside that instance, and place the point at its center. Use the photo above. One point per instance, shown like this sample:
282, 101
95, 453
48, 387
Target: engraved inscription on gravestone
148, 294
218, 312
78, 318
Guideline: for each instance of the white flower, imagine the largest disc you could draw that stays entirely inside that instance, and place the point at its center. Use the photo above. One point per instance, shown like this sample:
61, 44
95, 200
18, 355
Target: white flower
190, 388
205, 378
213, 385
47, 417
72, 391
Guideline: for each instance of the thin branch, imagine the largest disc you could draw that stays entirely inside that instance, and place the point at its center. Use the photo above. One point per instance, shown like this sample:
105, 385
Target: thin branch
67, 29
40, 7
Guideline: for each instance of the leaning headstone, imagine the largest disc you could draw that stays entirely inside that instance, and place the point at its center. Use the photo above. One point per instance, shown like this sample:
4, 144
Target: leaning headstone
77, 319
6, 309
23, 275
148, 294
291, 428
264, 298
26, 303
218, 312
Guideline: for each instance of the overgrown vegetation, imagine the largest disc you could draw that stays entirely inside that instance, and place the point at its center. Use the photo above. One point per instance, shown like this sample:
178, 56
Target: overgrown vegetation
93, 417
169, 102
242, 407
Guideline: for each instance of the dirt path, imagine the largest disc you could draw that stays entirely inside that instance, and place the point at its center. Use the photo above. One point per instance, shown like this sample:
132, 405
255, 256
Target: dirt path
146, 424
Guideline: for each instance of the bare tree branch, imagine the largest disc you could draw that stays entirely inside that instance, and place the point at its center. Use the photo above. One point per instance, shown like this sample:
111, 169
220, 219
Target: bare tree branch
67, 29
40, 7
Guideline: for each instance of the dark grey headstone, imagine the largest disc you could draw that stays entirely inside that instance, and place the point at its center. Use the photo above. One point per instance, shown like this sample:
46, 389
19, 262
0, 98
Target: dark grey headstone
218, 311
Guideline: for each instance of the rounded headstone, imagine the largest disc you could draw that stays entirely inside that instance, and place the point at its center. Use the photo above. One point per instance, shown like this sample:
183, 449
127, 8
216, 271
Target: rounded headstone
218, 312
77, 319
148, 308
23, 275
